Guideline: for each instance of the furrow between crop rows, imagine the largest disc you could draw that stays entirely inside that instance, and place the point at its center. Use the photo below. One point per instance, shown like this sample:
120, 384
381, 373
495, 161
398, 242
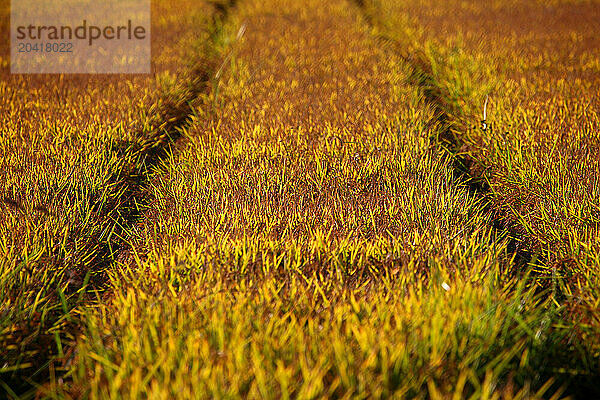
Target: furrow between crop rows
447, 127
96, 203
516, 108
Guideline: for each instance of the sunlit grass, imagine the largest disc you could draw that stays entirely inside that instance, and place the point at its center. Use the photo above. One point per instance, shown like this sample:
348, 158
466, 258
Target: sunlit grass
72, 155
303, 202
189, 326
538, 153
342, 258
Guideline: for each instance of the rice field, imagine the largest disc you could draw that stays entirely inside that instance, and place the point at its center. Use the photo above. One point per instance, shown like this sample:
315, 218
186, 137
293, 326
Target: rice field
343, 199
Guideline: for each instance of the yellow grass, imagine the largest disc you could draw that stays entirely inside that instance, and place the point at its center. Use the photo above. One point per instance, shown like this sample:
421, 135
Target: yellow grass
302, 202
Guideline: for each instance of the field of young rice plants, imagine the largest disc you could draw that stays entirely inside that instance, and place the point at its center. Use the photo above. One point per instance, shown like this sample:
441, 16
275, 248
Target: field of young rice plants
342, 199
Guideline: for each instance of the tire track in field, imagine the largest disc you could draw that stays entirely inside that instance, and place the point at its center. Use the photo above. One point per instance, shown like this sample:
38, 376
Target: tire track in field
311, 82
447, 125
138, 157
147, 153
